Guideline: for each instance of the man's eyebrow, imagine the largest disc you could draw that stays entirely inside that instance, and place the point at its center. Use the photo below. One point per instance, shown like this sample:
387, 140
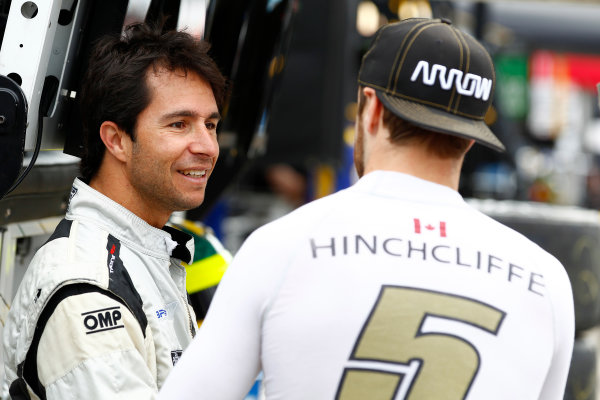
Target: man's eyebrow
187, 113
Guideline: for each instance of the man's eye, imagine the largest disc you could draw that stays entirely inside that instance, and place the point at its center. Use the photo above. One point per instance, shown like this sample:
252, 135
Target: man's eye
211, 126
178, 125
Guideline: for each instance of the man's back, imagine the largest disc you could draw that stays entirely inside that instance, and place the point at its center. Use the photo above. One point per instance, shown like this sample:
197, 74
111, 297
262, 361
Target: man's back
394, 287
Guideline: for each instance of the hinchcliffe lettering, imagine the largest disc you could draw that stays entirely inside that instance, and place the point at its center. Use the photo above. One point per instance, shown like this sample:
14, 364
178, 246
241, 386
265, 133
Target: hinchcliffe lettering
424, 251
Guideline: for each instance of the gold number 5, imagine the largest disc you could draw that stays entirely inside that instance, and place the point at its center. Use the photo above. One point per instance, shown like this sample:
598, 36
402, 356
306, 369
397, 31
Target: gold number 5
393, 334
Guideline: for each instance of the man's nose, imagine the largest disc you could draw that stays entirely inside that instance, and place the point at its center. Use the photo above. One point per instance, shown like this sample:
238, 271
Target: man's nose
204, 142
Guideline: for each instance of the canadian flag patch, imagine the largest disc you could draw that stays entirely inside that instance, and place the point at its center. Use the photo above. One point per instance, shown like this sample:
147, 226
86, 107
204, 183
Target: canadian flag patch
421, 227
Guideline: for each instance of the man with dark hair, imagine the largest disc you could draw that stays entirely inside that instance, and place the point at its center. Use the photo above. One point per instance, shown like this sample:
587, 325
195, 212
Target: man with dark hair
394, 288
102, 312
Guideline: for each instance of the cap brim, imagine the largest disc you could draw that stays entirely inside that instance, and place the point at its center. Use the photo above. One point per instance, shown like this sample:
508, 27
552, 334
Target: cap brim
441, 121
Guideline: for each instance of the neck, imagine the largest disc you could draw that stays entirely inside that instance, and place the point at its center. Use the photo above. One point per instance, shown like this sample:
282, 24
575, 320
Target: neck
111, 181
415, 160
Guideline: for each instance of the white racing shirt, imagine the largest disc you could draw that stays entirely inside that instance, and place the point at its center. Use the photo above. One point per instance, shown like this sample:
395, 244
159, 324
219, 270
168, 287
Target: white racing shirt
394, 288
102, 310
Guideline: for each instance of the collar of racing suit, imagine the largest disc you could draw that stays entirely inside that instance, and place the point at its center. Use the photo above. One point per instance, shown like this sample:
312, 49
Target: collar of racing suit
87, 203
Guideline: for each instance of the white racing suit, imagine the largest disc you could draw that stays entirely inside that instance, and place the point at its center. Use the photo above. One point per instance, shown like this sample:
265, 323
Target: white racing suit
102, 312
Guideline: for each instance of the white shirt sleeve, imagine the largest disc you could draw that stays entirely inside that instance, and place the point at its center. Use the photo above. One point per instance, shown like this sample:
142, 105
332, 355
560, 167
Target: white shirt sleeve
564, 328
223, 361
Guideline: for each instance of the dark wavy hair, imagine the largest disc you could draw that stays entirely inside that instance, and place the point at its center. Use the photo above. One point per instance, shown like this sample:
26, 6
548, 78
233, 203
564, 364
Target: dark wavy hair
114, 87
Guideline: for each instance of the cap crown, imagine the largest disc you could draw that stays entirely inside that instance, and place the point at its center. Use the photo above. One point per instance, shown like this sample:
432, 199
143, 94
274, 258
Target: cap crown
432, 63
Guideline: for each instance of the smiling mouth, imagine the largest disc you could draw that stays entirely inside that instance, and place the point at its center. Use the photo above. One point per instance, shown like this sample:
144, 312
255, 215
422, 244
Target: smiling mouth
194, 173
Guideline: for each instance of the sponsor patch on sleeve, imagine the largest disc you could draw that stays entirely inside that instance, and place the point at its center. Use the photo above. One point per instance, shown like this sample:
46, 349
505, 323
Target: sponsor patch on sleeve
84, 327
102, 320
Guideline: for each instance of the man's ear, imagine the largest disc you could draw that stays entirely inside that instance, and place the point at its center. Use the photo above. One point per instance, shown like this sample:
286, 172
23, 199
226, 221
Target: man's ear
117, 142
373, 110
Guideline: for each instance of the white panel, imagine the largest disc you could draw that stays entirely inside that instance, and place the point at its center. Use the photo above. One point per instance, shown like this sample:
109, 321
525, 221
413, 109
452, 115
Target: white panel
7, 260
26, 49
136, 11
192, 17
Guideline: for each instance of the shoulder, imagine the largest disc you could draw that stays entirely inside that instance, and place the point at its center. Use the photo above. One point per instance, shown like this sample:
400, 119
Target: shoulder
83, 254
267, 251
59, 271
91, 308
302, 219
527, 232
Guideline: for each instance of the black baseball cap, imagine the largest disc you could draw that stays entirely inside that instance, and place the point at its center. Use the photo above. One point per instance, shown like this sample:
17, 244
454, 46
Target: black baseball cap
433, 75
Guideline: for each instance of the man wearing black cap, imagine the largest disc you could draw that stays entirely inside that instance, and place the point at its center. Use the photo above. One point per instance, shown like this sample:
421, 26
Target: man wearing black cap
394, 288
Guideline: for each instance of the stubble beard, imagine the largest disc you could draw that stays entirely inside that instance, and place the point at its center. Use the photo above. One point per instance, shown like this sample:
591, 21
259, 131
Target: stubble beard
154, 184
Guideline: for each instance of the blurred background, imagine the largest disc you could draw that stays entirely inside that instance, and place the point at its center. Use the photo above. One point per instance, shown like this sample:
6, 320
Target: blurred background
545, 109
287, 133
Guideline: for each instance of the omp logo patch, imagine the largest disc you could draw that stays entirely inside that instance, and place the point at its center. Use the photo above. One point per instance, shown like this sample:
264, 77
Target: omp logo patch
176, 355
471, 85
102, 320
161, 313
